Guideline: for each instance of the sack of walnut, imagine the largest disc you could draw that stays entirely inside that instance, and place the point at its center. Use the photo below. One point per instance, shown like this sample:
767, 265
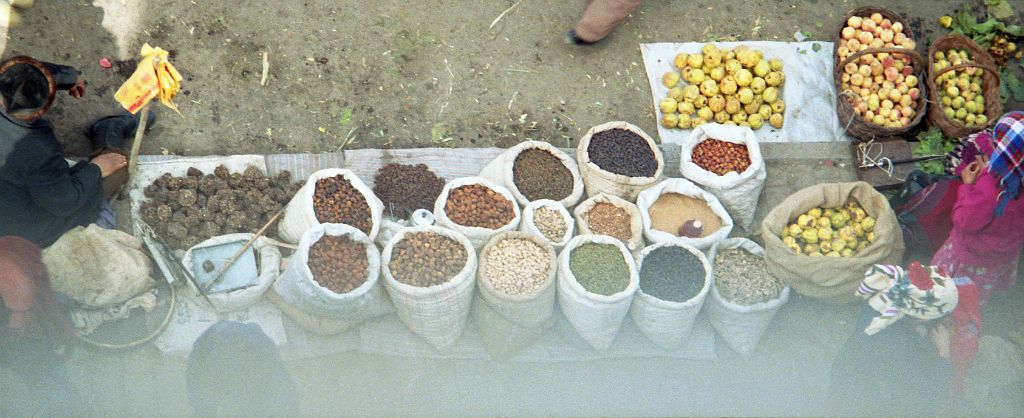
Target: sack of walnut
619, 159
674, 282
605, 214
676, 210
331, 195
534, 170
333, 274
744, 296
269, 268
550, 220
735, 174
477, 208
515, 301
429, 273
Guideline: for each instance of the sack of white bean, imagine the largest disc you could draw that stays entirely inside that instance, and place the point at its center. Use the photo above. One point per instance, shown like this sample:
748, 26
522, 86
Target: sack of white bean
550, 220
515, 302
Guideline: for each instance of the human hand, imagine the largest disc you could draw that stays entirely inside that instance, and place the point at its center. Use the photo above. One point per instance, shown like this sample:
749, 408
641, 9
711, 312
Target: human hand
78, 90
940, 337
109, 163
970, 173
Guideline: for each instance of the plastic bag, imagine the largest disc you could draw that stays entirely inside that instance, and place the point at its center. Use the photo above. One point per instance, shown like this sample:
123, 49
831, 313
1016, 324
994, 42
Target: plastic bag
269, 268
154, 77
667, 323
500, 171
477, 236
738, 192
683, 187
299, 215
597, 181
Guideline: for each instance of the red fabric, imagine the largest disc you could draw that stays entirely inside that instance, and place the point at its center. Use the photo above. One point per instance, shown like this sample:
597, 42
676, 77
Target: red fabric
920, 278
20, 266
963, 343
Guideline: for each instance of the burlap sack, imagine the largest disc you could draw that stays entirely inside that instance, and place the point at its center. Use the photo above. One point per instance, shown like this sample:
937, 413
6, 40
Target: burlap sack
269, 262
438, 313
300, 216
636, 237
477, 236
597, 181
832, 279
98, 268
500, 171
666, 323
738, 192
509, 323
527, 224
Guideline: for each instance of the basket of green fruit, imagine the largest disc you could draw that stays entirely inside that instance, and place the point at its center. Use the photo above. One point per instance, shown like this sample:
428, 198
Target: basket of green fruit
963, 84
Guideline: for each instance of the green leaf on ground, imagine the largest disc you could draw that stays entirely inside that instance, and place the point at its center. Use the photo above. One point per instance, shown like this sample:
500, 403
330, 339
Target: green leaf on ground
1010, 86
932, 142
816, 47
999, 9
346, 118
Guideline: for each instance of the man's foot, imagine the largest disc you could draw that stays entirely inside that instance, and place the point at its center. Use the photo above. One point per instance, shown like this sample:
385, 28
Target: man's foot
574, 39
114, 131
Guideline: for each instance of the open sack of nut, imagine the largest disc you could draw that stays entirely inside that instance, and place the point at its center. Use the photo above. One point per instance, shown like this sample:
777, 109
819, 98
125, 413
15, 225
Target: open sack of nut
676, 210
674, 281
430, 273
515, 299
534, 170
605, 214
745, 296
334, 274
549, 220
477, 208
597, 279
619, 159
726, 161
268, 268
335, 196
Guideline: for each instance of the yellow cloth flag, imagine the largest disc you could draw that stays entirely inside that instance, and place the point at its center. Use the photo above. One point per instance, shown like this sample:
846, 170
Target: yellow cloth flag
154, 77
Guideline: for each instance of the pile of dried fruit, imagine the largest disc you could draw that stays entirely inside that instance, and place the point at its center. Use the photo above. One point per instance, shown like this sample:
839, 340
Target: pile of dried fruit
338, 263
743, 278
960, 90
622, 151
185, 211
732, 87
831, 232
721, 157
480, 206
336, 201
881, 87
426, 259
404, 188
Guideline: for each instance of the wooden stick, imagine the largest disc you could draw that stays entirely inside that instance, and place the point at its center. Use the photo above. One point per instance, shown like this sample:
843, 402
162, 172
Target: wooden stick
133, 156
234, 258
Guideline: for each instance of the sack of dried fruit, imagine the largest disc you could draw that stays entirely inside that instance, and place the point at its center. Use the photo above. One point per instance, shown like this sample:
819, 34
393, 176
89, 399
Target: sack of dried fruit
744, 295
515, 299
605, 214
619, 159
534, 170
269, 266
331, 195
726, 161
549, 220
430, 273
674, 281
477, 208
676, 210
833, 279
334, 274
597, 279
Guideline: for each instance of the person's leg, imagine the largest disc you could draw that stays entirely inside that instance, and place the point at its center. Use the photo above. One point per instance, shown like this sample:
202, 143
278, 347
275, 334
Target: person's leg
600, 17
114, 132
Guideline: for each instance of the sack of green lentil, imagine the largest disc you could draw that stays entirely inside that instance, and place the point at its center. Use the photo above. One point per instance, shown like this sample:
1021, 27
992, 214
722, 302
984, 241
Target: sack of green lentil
430, 273
676, 210
269, 267
619, 159
515, 299
597, 279
477, 208
726, 161
331, 195
334, 274
674, 281
534, 170
744, 296
833, 279
605, 214
549, 220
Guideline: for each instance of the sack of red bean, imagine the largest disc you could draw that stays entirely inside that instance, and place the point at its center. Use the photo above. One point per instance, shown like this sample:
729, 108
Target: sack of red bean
430, 273
515, 299
726, 161
549, 220
333, 274
604, 214
534, 170
477, 208
335, 196
674, 282
619, 159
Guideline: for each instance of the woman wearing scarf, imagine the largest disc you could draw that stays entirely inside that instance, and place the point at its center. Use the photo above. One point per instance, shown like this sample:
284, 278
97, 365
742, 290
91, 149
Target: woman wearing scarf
988, 217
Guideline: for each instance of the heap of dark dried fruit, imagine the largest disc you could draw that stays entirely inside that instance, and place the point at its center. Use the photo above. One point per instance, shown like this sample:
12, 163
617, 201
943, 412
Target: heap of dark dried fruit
188, 210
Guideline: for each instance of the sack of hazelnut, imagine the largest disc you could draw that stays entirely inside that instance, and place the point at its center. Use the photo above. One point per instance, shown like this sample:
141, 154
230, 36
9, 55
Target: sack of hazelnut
727, 162
331, 195
477, 208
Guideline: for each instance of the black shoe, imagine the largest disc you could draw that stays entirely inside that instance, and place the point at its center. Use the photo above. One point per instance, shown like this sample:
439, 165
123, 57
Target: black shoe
114, 131
572, 38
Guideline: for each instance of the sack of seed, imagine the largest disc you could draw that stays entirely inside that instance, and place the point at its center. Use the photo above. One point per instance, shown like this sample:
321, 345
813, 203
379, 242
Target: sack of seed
333, 274
335, 196
477, 208
619, 159
676, 210
726, 161
597, 278
515, 301
550, 220
430, 273
269, 267
535, 170
745, 296
674, 281
605, 214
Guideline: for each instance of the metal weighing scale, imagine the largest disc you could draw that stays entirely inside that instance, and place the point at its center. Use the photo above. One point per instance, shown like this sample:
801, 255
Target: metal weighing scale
207, 261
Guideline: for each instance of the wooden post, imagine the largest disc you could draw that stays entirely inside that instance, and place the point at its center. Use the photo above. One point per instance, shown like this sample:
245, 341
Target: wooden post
133, 156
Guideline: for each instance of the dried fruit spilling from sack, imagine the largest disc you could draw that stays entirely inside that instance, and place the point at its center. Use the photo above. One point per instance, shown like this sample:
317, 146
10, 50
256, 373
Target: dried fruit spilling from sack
831, 232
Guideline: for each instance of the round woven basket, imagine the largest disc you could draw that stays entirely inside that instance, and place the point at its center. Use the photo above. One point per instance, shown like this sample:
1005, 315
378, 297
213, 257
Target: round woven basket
855, 125
989, 85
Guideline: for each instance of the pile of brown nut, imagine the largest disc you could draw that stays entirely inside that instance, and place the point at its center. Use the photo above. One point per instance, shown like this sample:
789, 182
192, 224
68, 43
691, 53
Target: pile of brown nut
336, 201
338, 263
480, 206
721, 157
426, 259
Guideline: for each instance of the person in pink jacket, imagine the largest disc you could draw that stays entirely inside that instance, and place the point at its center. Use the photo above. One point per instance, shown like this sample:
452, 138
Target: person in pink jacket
988, 217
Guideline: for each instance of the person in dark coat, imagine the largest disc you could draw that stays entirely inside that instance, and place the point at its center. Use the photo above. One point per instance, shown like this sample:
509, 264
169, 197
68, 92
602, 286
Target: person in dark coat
42, 195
